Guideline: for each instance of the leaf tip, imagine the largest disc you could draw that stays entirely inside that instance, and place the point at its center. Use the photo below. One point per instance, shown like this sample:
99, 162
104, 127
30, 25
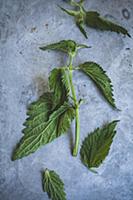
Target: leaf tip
129, 35
116, 121
58, 6
13, 158
42, 48
86, 36
46, 170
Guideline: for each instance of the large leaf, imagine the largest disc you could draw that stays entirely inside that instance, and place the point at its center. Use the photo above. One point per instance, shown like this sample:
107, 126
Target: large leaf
67, 46
97, 144
39, 132
94, 20
59, 84
53, 185
98, 75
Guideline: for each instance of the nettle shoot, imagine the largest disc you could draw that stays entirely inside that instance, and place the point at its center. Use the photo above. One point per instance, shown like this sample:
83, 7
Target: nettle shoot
51, 115
91, 19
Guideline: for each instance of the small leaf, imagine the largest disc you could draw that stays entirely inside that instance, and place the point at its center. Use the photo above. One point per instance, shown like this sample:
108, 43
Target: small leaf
69, 12
98, 75
39, 132
81, 28
53, 185
94, 20
96, 145
79, 18
77, 4
80, 46
58, 84
67, 46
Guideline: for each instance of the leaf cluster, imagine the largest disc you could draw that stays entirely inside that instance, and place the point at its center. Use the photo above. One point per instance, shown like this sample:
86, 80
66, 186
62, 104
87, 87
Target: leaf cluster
92, 19
51, 115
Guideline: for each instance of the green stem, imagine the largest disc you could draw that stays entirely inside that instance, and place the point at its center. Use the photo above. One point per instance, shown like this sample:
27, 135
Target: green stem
76, 104
77, 133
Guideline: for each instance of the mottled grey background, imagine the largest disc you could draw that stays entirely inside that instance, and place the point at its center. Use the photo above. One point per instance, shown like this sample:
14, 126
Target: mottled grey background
24, 26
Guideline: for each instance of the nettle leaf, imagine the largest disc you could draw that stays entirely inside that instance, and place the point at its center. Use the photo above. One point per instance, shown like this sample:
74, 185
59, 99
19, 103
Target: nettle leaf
80, 25
53, 185
94, 20
97, 144
77, 4
69, 12
39, 132
103, 82
59, 84
81, 46
67, 46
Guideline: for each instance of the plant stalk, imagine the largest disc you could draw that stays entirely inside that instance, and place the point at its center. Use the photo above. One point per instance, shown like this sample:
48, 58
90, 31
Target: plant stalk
76, 104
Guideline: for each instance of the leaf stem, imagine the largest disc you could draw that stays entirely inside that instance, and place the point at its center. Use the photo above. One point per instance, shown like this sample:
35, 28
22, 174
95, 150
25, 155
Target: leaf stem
76, 104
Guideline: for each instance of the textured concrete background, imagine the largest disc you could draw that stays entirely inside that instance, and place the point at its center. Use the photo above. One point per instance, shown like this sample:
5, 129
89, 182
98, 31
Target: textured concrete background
24, 25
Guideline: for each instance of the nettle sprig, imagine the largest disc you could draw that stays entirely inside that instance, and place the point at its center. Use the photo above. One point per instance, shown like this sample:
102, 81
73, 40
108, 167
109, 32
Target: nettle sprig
91, 19
51, 115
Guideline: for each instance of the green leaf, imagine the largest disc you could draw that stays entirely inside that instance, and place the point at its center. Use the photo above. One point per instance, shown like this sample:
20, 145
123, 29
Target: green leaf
77, 4
79, 18
39, 132
103, 82
81, 28
97, 144
53, 185
81, 46
58, 83
94, 20
69, 12
67, 46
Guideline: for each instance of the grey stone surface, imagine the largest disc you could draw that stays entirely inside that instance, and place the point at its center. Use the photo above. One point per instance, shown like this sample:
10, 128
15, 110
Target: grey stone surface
24, 25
